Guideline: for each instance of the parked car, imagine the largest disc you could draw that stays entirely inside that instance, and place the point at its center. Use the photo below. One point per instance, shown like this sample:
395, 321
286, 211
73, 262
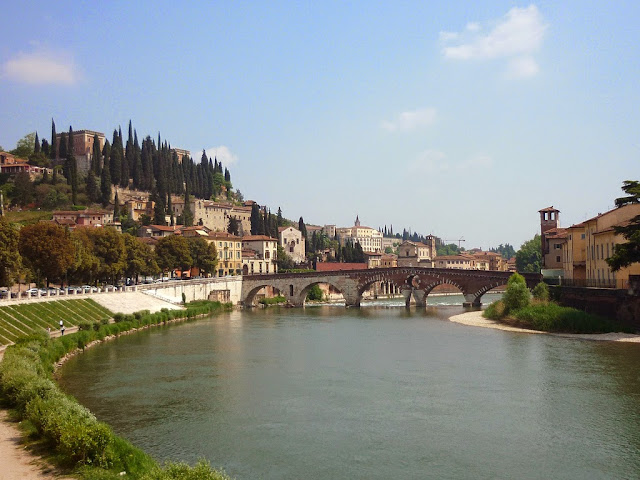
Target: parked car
73, 290
4, 293
32, 292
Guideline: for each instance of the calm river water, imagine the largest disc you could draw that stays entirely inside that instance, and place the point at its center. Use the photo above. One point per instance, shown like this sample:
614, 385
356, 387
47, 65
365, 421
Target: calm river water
371, 393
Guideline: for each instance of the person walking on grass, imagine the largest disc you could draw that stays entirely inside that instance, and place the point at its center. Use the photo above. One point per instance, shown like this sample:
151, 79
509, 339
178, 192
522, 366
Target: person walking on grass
61, 328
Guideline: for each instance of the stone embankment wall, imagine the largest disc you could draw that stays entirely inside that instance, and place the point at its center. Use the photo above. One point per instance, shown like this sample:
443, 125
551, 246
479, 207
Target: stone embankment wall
223, 289
621, 305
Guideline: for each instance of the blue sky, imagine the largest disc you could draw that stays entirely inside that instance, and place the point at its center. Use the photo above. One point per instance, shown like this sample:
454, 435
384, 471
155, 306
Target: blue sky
460, 119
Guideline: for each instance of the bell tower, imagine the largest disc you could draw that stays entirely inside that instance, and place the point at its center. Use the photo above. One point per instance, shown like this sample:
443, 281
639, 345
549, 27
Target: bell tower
549, 219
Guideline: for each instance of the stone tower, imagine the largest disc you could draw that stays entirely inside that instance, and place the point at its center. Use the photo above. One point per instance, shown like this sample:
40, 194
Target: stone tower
549, 219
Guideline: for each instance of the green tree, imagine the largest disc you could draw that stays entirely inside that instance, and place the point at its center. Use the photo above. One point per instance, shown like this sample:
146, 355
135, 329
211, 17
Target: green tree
529, 257
541, 292
115, 160
96, 157
116, 208
140, 258
54, 143
10, 259
25, 146
105, 176
203, 254
108, 247
173, 252
86, 264
234, 226
624, 254
47, 250
517, 295
92, 188
284, 261
23, 189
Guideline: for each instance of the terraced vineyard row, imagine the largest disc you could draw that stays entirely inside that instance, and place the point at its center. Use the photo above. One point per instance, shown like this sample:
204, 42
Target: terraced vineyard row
23, 319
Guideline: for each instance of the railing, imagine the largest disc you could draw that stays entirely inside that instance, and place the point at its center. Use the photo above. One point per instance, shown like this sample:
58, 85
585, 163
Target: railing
590, 283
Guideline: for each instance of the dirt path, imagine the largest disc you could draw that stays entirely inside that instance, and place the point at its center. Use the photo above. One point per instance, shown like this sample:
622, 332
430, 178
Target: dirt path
17, 463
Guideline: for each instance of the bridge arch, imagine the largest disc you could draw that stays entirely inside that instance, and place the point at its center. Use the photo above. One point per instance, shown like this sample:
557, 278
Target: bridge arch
302, 295
250, 296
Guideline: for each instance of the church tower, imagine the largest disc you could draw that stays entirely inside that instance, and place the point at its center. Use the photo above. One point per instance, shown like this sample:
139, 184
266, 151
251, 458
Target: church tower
357, 223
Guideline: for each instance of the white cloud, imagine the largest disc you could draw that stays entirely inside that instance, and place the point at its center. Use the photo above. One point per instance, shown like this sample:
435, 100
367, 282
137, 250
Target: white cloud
411, 120
518, 34
429, 162
223, 154
42, 67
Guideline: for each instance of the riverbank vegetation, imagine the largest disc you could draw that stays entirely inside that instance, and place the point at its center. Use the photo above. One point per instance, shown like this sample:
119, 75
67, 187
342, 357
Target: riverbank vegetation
518, 307
54, 421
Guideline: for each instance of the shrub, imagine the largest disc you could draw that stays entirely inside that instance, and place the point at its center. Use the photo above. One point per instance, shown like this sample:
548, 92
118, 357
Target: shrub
181, 471
541, 292
273, 300
517, 294
495, 311
118, 317
315, 293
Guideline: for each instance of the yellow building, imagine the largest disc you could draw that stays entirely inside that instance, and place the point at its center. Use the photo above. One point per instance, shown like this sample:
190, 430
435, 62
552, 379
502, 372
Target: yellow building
229, 248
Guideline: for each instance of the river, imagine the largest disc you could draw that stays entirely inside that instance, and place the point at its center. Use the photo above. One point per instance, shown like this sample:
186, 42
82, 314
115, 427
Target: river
372, 393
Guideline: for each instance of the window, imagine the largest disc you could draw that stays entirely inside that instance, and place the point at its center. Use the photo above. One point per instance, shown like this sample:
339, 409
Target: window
582, 236
557, 258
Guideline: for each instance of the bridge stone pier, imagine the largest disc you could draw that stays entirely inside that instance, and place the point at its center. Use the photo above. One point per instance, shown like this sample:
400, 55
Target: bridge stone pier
414, 283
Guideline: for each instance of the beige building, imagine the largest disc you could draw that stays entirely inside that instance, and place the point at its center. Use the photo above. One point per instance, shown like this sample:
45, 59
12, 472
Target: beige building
215, 215
417, 254
464, 262
388, 260
259, 254
579, 253
490, 261
293, 243
369, 239
83, 147
84, 218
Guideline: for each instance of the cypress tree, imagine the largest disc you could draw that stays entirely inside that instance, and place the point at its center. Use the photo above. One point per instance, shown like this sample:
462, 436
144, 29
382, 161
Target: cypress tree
116, 208
96, 157
280, 221
255, 219
187, 214
54, 178
36, 146
93, 193
62, 146
136, 172
105, 177
54, 144
46, 149
115, 162
69, 159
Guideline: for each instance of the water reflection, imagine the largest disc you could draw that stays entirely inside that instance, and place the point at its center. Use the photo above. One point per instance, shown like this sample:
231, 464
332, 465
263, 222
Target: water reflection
375, 392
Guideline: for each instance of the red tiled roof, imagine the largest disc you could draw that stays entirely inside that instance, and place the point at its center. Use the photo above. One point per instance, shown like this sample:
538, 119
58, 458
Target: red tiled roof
336, 266
251, 238
549, 209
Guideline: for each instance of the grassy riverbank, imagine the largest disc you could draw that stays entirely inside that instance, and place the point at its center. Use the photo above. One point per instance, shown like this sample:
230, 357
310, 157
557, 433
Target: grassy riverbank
518, 309
53, 421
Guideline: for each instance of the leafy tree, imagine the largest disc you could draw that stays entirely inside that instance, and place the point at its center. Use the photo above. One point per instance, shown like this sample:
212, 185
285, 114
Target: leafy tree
506, 251
140, 258
86, 264
25, 146
529, 257
10, 259
47, 250
203, 254
624, 254
315, 293
449, 249
22, 189
284, 261
108, 247
517, 295
173, 252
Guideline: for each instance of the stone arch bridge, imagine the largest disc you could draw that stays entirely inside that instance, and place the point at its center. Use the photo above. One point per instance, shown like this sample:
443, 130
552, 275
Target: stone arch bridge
414, 283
